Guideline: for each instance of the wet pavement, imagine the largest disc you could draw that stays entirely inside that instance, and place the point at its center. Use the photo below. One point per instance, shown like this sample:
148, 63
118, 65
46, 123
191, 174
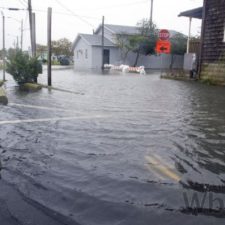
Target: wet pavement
120, 150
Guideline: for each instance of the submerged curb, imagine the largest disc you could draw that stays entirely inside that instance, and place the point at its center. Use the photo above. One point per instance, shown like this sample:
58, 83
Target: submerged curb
30, 87
3, 97
60, 89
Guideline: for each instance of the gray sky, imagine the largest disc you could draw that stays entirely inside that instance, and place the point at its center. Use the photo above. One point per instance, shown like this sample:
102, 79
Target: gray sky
82, 16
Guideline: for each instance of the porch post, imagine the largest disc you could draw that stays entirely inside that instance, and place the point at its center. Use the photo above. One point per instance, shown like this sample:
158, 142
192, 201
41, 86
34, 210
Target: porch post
189, 35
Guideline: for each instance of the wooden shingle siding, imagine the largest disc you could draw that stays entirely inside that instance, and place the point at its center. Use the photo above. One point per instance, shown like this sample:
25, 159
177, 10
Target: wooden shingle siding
213, 52
213, 45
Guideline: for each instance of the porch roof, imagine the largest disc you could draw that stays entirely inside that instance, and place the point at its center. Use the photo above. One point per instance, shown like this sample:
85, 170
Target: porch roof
193, 13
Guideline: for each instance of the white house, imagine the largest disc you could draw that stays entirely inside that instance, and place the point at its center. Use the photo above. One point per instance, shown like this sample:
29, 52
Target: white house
88, 50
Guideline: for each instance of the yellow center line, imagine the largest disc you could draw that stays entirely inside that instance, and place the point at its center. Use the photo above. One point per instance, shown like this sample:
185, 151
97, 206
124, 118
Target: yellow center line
161, 168
155, 173
164, 162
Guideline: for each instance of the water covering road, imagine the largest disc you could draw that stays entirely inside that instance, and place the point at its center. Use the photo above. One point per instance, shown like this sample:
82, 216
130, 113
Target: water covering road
124, 150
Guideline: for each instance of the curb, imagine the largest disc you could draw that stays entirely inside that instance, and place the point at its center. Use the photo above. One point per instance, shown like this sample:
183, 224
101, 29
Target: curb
1, 82
3, 97
60, 89
30, 87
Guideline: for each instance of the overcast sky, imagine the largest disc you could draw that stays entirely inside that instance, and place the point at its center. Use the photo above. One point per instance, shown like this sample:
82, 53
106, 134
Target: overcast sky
82, 16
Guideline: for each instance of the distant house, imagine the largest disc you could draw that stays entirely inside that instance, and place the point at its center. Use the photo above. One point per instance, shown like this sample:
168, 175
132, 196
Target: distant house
88, 49
212, 46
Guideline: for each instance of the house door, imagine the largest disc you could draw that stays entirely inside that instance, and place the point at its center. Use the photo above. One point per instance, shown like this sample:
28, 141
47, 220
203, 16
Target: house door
106, 56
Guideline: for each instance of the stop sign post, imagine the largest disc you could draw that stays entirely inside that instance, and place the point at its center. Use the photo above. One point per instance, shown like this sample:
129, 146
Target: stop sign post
163, 44
163, 47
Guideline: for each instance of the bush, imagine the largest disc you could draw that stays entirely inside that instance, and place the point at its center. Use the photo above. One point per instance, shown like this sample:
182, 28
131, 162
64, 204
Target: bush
23, 68
55, 63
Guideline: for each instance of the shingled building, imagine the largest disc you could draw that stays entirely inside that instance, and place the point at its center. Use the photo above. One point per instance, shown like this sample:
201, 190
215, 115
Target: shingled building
213, 41
212, 47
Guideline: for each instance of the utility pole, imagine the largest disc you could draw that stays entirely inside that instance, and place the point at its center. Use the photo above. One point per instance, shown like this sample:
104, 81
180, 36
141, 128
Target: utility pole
49, 46
17, 42
21, 38
103, 28
151, 14
30, 21
34, 34
3, 44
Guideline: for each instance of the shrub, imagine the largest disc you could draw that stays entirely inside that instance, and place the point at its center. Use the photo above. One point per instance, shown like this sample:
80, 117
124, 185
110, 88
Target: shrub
55, 63
23, 68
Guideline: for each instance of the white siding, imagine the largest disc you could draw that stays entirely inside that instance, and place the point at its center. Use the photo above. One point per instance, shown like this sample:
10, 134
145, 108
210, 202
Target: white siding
97, 56
82, 55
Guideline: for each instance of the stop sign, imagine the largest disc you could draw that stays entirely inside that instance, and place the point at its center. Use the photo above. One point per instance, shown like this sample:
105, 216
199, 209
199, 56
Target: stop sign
164, 35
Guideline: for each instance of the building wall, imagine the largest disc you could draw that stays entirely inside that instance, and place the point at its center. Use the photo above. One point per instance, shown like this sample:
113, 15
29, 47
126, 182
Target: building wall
213, 52
94, 58
82, 55
97, 56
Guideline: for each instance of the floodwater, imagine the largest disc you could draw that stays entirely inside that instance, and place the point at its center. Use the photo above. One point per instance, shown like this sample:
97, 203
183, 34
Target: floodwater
121, 150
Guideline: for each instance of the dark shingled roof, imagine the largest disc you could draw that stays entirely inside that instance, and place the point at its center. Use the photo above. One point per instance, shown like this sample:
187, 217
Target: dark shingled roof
193, 13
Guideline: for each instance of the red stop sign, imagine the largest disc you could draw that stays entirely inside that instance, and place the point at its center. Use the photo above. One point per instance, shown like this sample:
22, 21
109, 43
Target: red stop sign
164, 35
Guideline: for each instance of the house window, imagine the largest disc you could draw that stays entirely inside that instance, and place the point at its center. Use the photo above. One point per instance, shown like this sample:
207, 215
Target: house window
86, 53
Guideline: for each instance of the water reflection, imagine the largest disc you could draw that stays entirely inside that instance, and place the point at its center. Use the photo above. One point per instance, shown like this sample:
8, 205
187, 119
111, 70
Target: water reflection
155, 139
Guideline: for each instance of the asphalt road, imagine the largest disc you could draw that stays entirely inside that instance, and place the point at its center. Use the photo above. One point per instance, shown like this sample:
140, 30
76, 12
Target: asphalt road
115, 149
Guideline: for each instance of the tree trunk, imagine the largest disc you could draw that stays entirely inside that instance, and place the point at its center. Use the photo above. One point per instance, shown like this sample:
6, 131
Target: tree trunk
171, 62
137, 57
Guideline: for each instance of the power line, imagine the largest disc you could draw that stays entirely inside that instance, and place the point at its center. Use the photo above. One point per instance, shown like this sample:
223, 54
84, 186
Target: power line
45, 11
121, 5
79, 17
66, 14
22, 2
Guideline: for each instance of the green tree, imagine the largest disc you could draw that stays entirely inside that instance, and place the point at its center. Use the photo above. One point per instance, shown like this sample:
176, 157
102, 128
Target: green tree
41, 49
123, 43
141, 43
1, 55
178, 46
11, 52
62, 47
23, 68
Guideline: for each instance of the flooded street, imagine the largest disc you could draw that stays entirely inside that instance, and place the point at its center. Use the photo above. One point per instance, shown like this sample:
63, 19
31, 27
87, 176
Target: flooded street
121, 150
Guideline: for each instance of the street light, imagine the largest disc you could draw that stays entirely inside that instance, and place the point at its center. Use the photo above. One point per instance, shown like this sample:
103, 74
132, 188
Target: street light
3, 43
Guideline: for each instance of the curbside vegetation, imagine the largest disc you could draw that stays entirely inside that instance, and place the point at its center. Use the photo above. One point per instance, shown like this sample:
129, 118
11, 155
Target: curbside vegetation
30, 87
3, 97
24, 70
1, 82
